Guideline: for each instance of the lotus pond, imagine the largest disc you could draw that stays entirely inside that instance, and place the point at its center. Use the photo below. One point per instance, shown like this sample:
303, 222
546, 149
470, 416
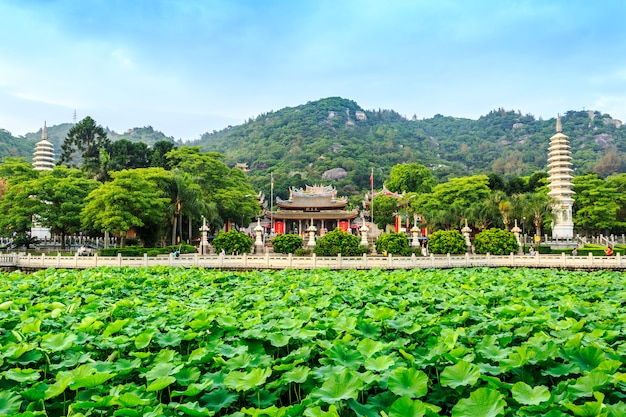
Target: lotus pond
191, 342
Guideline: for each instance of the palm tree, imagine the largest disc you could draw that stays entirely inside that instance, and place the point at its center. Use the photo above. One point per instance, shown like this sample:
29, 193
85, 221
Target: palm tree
538, 207
186, 198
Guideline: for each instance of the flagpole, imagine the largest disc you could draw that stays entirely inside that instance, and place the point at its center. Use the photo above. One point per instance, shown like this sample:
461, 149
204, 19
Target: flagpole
271, 202
372, 193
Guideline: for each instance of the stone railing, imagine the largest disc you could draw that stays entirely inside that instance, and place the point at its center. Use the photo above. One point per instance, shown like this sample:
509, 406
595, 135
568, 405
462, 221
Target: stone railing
273, 261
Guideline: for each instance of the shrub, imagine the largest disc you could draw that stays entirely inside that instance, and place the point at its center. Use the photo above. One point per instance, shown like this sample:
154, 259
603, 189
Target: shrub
447, 241
140, 250
339, 242
287, 243
302, 252
395, 243
233, 242
496, 242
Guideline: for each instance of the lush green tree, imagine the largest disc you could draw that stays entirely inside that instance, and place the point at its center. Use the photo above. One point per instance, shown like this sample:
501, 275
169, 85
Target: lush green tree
159, 152
125, 154
84, 141
287, 243
384, 209
447, 241
394, 243
339, 242
16, 170
597, 203
225, 188
233, 242
413, 177
60, 197
131, 200
496, 242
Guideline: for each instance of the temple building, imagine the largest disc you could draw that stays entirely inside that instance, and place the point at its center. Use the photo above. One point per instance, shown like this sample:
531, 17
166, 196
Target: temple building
43, 158
318, 204
560, 184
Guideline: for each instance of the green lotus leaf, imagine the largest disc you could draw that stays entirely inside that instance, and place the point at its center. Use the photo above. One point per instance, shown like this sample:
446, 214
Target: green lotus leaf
587, 358
194, 409
193, 389
318, 412
409, 382
162, 369
22, 375
244, 381
406, 407
592, 408
527, 395
340, 386
345, 355
187, 376
379, 363
160, 383
57, 342
200, 355
586, 385
460, 374
278, 339
168, 339
114, 327
91, 381
219, 399
127, 412
298, 374
33, 326
369, 347
130, 399
10, 403
363, 410
483, 402
142, 340
6, 305
62, 382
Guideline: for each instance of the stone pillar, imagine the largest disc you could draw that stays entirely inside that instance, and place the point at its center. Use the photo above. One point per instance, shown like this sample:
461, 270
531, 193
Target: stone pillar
204, 238
415, 232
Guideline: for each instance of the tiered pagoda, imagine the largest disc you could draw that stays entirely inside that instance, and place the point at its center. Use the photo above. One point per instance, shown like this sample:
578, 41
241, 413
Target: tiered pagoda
560, 184
318, 204
43, 158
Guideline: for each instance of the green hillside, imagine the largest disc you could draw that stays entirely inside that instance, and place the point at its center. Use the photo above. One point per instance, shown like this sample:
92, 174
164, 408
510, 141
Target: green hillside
299, 144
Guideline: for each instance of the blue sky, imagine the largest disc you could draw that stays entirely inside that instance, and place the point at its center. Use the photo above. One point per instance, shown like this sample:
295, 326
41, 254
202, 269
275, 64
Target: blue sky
188, 67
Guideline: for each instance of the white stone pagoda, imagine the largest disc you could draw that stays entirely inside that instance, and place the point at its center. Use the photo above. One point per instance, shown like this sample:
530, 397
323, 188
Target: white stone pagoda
43, 158
560, 184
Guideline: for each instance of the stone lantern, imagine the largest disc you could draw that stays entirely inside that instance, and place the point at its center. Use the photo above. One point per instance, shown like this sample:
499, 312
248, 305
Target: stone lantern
466, 233
415, 233
204, 238
258, 230
312, 229
516, 231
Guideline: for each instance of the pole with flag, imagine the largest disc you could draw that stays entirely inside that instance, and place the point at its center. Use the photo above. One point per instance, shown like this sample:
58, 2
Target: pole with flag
271, 202
372, 194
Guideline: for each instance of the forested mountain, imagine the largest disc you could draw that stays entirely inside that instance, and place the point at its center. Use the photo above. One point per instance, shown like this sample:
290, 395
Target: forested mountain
300, 144
24, 146
334, 140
